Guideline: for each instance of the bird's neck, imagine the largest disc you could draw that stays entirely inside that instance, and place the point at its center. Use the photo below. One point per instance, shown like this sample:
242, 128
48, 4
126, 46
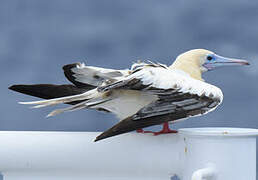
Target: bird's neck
192, 69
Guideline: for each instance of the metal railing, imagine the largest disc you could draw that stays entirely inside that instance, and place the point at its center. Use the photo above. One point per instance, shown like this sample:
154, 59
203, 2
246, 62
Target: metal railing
194, 153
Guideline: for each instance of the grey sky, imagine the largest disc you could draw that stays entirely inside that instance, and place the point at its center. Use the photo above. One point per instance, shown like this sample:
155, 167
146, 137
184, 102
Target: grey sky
38, 38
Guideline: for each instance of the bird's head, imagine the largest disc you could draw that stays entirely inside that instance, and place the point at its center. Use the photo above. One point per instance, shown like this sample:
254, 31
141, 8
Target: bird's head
197, 61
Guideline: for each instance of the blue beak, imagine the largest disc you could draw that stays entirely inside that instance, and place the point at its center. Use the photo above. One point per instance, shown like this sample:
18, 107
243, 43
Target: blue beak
219, 61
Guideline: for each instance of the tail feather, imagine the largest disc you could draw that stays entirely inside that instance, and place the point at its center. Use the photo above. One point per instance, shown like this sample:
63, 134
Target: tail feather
56, 94
67, 99
71, 108
82, 105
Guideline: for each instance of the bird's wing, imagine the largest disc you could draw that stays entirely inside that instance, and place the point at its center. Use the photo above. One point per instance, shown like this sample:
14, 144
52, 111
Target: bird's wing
179, 96
49, 91
81, 75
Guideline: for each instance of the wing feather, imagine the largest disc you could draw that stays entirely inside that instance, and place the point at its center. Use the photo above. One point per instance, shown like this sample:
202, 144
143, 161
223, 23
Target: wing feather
81, 75
178, 97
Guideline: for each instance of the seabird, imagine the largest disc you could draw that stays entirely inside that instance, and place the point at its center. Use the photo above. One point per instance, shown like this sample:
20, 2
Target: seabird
146, 94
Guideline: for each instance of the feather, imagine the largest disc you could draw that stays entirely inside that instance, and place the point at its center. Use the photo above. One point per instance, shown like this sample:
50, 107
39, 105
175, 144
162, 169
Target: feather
50, 91
67, 99
82, 75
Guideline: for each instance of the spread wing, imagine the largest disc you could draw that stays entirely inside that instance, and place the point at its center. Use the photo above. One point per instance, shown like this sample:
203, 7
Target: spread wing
179, 96
81, 75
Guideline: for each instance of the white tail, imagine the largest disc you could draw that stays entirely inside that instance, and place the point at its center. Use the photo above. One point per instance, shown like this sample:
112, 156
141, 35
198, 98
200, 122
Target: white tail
67, 99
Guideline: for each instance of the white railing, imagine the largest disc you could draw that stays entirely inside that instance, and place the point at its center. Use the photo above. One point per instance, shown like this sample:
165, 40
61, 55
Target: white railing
197, 154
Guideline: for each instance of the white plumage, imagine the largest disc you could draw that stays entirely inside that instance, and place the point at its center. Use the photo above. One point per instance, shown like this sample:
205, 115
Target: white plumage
145, 95
125, 103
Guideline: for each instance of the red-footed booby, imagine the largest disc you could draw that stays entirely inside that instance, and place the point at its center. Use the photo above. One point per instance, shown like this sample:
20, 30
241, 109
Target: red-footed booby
145, 95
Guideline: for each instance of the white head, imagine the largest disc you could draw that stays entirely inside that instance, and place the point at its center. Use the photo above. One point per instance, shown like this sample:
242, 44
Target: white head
197, 61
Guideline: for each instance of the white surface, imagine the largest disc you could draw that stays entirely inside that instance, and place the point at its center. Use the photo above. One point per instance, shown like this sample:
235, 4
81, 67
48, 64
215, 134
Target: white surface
74, 155
225, 132
205, 173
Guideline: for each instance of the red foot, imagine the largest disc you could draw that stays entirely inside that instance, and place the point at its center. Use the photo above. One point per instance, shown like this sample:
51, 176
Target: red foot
165, 130
139, 131
142, 131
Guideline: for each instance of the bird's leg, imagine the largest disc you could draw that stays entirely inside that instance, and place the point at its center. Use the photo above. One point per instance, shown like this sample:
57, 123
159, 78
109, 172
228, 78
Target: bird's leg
165, 130
142, 131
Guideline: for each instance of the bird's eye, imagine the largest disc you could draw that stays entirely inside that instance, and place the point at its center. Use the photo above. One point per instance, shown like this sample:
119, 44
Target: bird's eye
209, 58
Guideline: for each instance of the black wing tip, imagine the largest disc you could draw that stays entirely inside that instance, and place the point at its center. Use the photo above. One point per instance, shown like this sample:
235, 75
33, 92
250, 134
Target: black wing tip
16, 87
124, 126
69, 66
117, 129
104, 135
69, 75
97, 139
131, 124
12, 87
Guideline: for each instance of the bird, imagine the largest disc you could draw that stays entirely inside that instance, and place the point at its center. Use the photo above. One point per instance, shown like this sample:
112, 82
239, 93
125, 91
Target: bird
147, 94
